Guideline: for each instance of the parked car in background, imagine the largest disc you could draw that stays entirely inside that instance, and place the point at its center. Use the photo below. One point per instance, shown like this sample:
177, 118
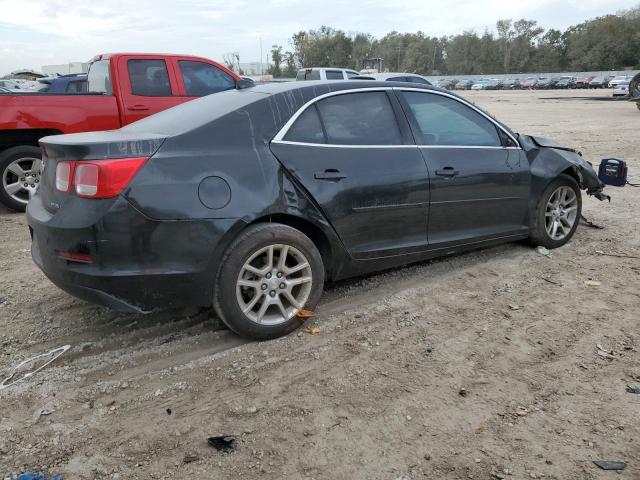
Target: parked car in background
565, 83
73, 83
482, 84
10, 85
544, 83
447, 83
621, 89
321, 73
597, 82
619, 79
464, 84
530, 82
5, 90
512, 84
221, 202
394, 77
583, 82
122, 88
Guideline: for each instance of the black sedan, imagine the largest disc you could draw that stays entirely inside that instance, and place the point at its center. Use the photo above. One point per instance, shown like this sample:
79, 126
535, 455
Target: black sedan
249, 200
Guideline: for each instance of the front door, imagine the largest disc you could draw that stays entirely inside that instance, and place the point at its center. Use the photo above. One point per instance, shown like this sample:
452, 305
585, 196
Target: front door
353, 154
480, 178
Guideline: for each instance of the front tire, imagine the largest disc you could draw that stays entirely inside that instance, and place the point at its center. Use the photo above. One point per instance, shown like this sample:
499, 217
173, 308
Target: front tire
558, 213
20, 171
267, 275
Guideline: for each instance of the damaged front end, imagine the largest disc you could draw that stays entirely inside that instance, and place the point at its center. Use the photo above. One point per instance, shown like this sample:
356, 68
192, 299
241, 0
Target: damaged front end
548, 159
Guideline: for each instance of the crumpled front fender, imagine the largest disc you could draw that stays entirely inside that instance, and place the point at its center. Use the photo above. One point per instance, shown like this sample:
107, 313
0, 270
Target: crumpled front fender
548, 159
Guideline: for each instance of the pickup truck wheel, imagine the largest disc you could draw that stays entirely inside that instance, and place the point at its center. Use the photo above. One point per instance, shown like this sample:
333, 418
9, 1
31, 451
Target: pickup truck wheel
267, 275
558, 213
20, 169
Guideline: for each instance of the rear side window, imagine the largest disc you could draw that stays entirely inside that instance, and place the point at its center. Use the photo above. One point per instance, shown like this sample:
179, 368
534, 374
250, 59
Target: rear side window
445, 121
397, 79
99, 78
359, 119
78, 86
149, 78
203, 79
308, 74
334, 75
307, 128
352, 73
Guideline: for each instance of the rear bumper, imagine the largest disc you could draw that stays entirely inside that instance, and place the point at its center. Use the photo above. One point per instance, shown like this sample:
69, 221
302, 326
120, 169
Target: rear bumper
137, 264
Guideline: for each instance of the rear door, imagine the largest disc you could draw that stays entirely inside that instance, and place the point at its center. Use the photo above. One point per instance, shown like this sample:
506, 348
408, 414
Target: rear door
480, 178
353, 152
147, 85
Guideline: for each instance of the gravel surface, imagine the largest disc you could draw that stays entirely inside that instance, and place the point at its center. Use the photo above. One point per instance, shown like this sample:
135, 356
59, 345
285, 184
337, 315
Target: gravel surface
484, 365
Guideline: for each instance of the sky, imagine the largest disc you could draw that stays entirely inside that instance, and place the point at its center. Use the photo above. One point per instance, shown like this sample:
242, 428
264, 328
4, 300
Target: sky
44, 32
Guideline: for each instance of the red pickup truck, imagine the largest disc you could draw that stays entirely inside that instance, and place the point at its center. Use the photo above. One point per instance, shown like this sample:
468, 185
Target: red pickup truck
122, 88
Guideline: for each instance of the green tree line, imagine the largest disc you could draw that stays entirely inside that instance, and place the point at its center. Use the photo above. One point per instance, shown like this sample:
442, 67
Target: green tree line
611, 42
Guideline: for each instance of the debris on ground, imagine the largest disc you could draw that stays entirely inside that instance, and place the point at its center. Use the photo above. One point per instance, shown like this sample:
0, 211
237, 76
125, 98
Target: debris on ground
313, 330
592, 283
37, 476
543, 251
223, 443
190, 458
604, 353
305, 314
609, 465
631, 389
54, 354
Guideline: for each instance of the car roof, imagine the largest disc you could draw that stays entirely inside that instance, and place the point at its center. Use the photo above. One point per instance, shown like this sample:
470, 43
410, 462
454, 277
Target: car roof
379, 76
280, 100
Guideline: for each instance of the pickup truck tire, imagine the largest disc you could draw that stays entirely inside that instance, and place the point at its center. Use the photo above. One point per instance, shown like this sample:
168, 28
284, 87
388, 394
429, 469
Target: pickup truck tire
20, 170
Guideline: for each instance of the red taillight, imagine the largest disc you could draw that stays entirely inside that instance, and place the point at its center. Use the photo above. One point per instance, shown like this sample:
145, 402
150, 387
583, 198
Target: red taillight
63, 176
75, 257
97, 178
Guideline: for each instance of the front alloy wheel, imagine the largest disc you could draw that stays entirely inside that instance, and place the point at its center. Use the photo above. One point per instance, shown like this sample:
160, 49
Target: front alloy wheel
561, 213
268, 274
557, 214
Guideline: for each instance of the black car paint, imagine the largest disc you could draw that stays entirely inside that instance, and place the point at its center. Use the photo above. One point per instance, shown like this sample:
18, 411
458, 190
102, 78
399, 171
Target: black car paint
159, 243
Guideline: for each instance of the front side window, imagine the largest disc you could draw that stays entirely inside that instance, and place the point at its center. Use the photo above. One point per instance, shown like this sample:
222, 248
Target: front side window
308, 74
99, 78
202, 79
359, 119
445, 121
149, 78
334, 75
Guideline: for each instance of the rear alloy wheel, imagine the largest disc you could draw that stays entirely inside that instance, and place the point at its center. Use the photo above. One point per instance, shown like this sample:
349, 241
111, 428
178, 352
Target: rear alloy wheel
558, 213
20, 169
269, 274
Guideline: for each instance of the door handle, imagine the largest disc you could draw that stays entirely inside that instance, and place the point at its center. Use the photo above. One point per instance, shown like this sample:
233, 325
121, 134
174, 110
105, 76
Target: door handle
138, 108
447, 172
330, 174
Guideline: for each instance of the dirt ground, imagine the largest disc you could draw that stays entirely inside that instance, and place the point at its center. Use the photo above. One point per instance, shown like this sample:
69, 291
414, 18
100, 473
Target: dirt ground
477, 366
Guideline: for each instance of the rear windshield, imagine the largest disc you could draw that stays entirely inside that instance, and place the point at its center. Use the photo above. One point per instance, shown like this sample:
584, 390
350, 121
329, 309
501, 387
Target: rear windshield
99, 78
308, 74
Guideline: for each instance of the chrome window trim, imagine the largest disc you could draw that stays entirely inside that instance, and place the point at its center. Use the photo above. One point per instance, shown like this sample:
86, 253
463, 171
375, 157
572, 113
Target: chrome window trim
283, 131
336, 145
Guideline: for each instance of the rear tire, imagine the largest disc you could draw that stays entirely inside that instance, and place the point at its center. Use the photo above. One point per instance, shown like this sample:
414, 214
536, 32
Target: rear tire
557, 214
267, 275
20, 171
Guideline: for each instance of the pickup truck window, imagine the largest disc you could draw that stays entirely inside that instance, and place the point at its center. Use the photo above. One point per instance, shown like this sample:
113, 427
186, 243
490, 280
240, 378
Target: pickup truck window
149, 78
99, 79
77, 86
203, 79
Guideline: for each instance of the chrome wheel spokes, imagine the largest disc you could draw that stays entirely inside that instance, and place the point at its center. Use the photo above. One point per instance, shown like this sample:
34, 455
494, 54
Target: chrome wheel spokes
561, 213
21, 178
274, 284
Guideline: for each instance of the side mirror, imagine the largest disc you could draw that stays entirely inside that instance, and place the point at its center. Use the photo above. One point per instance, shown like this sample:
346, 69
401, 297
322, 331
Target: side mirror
245, 82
